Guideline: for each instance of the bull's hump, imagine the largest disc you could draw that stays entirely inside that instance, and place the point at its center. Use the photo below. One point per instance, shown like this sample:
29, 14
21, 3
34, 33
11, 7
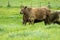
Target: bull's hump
34, 9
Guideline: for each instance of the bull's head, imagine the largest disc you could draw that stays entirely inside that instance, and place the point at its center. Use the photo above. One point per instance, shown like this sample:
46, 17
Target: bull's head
23, 8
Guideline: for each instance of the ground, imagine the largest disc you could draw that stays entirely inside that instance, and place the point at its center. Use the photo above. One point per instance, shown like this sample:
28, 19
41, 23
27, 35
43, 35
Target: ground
11, 27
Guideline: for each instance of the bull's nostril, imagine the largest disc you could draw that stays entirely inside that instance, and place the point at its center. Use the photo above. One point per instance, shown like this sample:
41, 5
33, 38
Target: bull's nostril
20, 12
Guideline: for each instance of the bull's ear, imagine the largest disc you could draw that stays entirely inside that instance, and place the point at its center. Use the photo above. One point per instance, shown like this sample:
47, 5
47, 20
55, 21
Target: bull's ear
25, 6
29, 9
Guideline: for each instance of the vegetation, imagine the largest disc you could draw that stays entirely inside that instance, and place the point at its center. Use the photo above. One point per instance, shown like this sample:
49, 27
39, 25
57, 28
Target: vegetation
11, 27
33, 3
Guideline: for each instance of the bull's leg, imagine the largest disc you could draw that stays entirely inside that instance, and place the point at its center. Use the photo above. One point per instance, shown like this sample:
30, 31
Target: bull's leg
32, 21
46, 22
29, 22
24, 21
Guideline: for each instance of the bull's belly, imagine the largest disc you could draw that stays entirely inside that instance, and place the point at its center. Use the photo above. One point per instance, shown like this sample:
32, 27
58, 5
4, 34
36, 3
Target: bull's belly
41, 18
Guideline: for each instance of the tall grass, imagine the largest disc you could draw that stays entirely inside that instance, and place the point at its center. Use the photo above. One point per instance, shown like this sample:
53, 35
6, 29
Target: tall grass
11, 27
33, 3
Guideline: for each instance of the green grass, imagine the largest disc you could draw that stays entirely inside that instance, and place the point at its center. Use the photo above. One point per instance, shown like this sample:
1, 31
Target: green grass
11, 27
34, 3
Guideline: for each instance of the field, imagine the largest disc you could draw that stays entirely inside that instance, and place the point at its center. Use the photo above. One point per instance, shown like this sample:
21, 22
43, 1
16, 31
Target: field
34, 3
11, 27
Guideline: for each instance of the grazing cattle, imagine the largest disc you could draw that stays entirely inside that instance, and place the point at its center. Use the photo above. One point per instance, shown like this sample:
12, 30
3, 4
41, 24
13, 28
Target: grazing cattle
32, 14
55, 17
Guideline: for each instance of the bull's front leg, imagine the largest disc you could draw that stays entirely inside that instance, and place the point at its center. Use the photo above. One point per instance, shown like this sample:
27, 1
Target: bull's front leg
24, 20
47, 21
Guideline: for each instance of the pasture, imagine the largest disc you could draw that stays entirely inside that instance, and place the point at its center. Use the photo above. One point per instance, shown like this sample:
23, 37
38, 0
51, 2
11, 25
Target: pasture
33, 3
11, 27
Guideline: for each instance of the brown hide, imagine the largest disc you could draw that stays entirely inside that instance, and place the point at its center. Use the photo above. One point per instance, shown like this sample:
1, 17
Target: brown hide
25, 11
39, 14
55, 17
32, 14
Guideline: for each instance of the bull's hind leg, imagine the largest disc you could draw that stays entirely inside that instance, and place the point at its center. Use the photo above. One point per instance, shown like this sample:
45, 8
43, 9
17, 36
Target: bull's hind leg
47, 22
31, 21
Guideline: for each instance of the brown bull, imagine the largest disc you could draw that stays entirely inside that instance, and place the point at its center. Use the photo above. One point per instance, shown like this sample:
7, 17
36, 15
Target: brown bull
32, 14
25, 11
55, 17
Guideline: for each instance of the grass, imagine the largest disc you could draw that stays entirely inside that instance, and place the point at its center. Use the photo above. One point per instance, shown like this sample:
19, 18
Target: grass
11, 27
34, 3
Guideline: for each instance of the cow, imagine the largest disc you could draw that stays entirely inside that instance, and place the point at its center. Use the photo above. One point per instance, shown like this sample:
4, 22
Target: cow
25, 11
54, 17
32, 14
